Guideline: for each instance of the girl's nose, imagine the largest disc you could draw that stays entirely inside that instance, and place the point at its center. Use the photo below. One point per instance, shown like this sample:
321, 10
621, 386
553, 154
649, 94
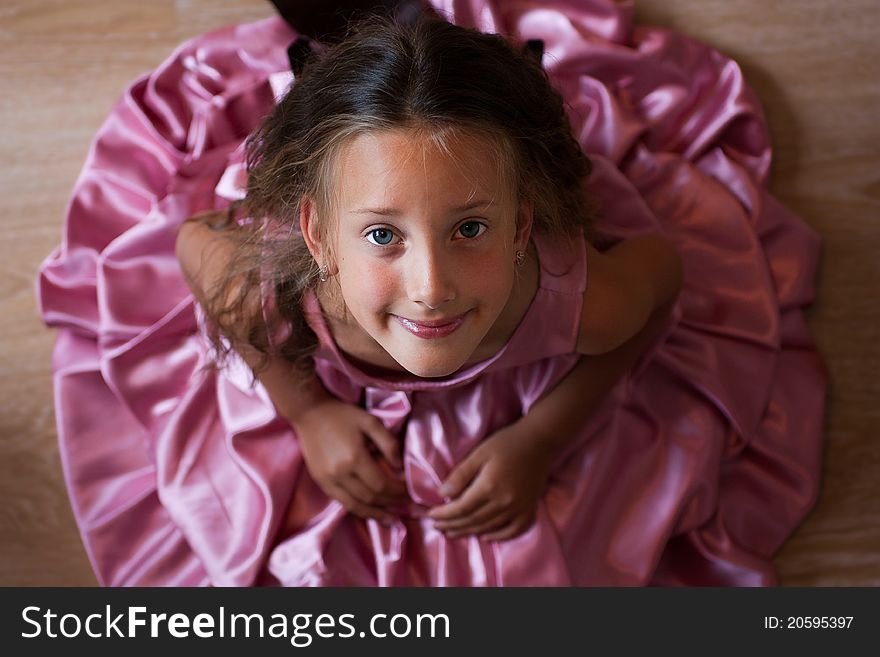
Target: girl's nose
430, 279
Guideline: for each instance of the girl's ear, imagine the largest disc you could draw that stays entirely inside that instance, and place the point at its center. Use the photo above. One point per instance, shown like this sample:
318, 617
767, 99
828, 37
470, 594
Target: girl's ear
524, 219
308, 225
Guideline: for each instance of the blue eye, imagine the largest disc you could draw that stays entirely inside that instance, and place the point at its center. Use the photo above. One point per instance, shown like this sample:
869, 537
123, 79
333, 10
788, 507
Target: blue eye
471, 229
380, 236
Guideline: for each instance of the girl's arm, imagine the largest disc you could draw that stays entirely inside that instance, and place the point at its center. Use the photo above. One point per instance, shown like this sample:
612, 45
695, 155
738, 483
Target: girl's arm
204, 254
331, 433
630, 294
554, 420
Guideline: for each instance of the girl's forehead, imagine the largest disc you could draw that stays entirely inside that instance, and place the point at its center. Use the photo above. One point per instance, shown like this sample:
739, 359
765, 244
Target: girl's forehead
406, 159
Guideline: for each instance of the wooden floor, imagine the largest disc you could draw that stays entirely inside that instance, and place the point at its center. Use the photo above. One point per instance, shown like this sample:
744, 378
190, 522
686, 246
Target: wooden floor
814, 63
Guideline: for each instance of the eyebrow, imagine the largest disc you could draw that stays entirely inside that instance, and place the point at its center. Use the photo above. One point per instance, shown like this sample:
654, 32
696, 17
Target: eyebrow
394, 212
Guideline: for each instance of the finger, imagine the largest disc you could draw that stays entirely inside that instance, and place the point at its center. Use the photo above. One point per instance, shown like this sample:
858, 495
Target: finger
359, 508
512, 530
389, 471
472, 499
462, 475
504, 534
383, 439
359, 491
363, 493
479, 515
493, 523
374, 478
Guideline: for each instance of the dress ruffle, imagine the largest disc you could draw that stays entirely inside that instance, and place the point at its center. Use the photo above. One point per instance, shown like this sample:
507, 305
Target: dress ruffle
697, 467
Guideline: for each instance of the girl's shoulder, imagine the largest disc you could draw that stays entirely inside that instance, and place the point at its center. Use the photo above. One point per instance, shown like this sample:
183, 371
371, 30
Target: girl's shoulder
627, 284
562, 262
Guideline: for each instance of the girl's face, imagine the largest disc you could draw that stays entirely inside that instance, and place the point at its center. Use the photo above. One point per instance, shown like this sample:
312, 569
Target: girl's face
424, 244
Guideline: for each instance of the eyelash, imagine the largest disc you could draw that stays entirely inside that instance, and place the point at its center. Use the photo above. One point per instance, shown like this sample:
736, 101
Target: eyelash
376, 230
370, 232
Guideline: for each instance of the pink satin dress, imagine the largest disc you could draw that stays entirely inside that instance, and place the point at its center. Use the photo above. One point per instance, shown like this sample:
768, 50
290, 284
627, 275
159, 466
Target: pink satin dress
698, 465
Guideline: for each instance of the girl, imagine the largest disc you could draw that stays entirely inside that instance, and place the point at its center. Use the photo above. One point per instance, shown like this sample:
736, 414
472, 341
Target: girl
415, 280
409, 179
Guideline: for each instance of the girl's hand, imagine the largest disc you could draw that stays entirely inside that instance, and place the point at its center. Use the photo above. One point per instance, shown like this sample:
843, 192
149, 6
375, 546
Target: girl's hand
496, 488
347, 451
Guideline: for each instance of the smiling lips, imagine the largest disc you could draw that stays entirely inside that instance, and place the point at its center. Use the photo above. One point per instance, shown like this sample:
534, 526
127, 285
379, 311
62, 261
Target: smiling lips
431, 330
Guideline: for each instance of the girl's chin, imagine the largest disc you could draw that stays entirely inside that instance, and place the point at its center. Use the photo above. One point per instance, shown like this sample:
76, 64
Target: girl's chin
428, 359
431, 368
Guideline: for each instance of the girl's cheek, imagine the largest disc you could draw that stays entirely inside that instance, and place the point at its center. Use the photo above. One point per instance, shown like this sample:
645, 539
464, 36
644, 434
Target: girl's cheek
372, 279
492, 271
380, 278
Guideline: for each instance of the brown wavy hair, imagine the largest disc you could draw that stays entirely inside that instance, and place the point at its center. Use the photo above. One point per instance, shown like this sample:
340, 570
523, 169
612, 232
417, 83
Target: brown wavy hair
429, 75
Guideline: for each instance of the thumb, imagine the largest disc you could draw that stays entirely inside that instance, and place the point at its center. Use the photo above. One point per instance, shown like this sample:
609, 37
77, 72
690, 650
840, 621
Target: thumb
460, 477
383, 439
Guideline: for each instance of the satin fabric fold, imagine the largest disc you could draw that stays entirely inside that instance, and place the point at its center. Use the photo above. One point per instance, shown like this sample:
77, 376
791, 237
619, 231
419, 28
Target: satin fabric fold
695, 469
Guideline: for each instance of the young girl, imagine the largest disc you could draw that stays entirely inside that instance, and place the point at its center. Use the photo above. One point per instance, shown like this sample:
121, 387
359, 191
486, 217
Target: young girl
437, 329
416, 190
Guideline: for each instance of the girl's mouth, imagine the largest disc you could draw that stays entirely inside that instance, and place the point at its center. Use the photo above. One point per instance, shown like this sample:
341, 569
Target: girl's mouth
433, 329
